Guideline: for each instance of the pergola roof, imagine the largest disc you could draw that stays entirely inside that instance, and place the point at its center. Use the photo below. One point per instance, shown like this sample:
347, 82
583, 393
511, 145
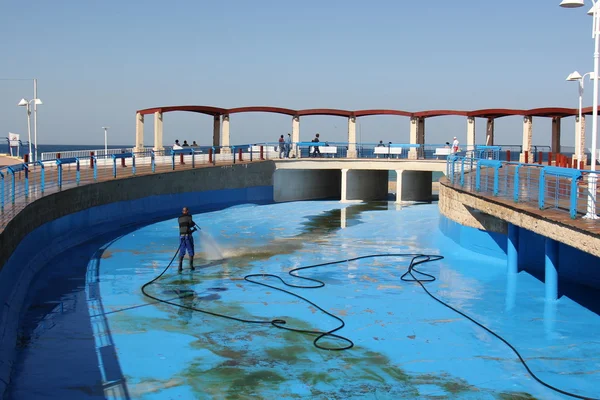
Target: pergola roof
548, 112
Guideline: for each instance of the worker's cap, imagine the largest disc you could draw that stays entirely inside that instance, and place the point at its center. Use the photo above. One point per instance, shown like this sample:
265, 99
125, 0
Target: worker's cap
454, 137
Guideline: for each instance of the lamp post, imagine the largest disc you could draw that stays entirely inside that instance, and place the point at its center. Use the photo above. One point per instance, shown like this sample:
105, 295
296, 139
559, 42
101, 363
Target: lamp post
27, 103
106, 128
591, 206
35, 118
576, 76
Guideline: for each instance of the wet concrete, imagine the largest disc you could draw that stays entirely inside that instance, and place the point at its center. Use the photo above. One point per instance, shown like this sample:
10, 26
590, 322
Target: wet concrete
406, 346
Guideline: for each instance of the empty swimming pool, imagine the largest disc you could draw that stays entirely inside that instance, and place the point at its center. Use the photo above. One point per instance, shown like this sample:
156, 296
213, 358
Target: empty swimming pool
90, 333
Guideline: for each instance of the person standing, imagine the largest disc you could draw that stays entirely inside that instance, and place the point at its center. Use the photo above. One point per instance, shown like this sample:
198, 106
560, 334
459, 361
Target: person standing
281, 147
316, 150
187, 226
455, 145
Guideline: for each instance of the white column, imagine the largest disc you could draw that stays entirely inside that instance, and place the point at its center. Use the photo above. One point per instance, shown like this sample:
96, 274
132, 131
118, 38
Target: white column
295, 133
351, 137
489, 132
527, 132
412, 154
216, 131
225, 135
139, 132
398, 186
580, 138
344, 185
582, 141
470, 134
158, 131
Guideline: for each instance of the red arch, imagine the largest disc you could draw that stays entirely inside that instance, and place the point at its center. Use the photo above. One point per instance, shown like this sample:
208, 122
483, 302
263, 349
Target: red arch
366, 113
438, 113
198, 109
326, 111
276, 110
551, 112
495, 113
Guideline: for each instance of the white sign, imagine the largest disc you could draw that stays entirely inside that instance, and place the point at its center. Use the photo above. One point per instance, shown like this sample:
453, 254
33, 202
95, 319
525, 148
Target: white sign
13, 139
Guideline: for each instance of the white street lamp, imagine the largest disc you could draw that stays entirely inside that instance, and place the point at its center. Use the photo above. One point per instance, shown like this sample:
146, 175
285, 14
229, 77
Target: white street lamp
27, 103
106, 128
591, 206
576, 76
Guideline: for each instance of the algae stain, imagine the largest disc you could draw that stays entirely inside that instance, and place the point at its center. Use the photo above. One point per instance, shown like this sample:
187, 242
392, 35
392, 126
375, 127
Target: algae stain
516, 396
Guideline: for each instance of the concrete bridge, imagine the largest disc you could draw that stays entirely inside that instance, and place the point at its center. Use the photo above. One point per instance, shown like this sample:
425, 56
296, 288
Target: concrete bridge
222, 116
354, 180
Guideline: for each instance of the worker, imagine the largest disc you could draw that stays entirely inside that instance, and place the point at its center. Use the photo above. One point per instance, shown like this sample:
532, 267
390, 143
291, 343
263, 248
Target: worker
186, 242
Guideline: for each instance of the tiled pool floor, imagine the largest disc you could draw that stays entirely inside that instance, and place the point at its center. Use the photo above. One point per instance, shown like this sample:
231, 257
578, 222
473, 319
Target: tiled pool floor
91, 334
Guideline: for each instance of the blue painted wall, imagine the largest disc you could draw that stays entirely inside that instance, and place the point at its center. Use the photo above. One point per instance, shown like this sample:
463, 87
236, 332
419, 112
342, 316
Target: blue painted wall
57, 236
477, 240
575, 266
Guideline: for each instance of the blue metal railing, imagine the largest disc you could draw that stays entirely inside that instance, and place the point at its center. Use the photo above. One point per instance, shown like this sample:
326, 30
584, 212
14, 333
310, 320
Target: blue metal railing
545, 187
65, 161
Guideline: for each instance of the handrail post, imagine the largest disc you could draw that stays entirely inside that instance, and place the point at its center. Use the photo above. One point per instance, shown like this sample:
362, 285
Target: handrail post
193, 158
214, 160
233, 153
59, 173
26, 180
250, 151
573, 206
153, 161
114, 166
95, 169
173, 160
516, 184
42, 175
14, 183
262, 154
132, 163
542, 191
477, 177
496, 180
240, 154
2, 191
462, 172
91, 159
78, 176
210, 155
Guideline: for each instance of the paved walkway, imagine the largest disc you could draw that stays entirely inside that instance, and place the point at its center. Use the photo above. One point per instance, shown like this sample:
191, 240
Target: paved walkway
8, 160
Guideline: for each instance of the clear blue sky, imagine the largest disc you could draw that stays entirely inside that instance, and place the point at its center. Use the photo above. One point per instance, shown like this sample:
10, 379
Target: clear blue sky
97, 62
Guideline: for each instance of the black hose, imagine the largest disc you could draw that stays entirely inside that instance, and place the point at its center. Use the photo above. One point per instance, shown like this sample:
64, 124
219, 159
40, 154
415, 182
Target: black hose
347, 343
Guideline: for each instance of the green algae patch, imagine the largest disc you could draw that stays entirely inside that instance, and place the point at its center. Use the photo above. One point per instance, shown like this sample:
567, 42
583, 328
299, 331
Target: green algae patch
516, 396
254, 379
288, 354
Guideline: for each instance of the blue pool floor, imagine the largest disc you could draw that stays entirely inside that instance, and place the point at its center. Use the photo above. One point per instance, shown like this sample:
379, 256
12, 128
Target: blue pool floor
89, 333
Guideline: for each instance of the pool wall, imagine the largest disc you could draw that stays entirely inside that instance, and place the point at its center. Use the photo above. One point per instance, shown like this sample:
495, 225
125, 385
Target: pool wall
574, 265
57, 222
